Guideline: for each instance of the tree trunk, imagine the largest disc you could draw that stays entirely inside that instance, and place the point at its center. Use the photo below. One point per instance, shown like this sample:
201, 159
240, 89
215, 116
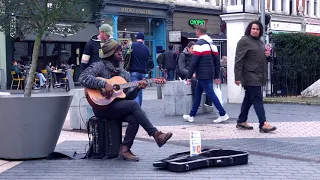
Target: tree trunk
32, 71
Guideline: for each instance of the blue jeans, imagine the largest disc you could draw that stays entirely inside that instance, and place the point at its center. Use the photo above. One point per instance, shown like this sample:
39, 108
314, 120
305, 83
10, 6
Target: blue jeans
136, 76
206, 85
170, 73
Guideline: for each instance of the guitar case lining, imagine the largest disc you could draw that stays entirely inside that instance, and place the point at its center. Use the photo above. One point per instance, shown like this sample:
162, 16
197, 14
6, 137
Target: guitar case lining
183, 162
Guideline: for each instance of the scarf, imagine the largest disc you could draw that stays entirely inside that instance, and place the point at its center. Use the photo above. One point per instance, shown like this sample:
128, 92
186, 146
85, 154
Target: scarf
115, 69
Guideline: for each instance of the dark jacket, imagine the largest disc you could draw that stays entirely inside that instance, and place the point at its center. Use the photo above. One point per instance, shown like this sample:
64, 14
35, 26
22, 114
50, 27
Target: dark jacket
88, 78
250, 62
160, 60
17, 70
139, 58
184, 63
90, 52
169, 60
205, 63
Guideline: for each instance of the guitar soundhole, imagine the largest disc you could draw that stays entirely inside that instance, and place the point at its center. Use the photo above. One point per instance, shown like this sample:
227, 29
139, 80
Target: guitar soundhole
116, 87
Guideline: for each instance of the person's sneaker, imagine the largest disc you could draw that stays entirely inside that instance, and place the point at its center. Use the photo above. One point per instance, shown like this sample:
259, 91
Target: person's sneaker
207, 105
221, 119
267, 128
188, 118
244, 125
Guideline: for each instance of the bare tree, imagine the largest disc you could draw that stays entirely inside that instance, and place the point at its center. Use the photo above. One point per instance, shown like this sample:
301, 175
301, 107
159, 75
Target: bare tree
42, 17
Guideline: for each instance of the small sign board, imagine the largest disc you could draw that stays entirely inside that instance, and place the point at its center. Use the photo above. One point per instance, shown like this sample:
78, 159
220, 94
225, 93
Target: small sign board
195, 143
174, 36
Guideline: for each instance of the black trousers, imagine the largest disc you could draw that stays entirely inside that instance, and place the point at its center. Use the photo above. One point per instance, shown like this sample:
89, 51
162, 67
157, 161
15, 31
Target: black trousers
194, 83
127, 111
253, 96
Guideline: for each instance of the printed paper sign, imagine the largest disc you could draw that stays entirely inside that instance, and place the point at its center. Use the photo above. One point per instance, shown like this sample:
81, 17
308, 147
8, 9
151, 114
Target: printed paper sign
195, 143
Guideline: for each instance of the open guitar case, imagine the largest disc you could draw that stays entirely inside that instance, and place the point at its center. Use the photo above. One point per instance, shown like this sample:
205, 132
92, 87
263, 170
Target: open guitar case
183, 162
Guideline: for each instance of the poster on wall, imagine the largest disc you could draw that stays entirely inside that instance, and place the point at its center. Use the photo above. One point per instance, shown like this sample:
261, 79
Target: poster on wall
174, 36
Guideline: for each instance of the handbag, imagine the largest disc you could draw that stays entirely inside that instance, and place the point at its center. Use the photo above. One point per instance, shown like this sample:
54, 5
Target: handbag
217, 88
218, 92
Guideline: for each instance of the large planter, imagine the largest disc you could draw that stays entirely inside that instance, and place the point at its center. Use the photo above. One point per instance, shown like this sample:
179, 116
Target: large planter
31, 126
80, 111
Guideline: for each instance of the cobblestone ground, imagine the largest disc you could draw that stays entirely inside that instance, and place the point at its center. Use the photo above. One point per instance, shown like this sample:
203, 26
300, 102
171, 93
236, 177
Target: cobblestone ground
292, 152
259, 167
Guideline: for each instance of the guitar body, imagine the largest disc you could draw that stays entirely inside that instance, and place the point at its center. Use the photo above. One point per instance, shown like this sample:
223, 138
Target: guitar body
96, 98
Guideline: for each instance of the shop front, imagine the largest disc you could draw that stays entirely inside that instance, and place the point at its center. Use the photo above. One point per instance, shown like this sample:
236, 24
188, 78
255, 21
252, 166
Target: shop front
185, 22
54, 49
129, 18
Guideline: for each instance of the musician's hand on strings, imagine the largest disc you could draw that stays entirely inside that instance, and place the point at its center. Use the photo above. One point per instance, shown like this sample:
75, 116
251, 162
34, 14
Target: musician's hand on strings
108, 90
142, 84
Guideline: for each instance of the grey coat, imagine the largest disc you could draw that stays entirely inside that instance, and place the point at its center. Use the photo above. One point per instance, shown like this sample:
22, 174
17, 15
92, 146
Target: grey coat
250, 62
184, 62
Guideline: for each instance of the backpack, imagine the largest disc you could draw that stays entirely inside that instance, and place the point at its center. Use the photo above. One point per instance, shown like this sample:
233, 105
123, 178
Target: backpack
127, 57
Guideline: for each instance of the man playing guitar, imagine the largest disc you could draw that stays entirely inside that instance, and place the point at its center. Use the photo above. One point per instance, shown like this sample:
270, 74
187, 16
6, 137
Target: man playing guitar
122, 109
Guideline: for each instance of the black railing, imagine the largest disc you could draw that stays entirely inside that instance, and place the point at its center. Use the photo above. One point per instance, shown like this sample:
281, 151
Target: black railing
289, 77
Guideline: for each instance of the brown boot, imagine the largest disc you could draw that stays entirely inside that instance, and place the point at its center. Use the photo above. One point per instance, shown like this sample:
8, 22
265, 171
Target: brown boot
126, 154
161, 138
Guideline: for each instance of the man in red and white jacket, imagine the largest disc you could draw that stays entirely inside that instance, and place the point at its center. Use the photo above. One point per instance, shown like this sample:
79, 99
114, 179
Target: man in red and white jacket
206, 64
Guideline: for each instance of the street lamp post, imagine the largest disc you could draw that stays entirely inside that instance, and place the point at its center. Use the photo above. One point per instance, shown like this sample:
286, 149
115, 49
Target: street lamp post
263, 17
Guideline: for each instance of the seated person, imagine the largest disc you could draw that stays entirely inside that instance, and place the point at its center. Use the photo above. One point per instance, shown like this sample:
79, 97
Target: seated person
18, 71
59, 76
120, 109
41, 78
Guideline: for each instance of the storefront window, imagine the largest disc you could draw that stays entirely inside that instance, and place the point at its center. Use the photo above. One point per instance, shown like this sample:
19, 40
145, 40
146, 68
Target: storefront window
20, 51
128, 26
58, 52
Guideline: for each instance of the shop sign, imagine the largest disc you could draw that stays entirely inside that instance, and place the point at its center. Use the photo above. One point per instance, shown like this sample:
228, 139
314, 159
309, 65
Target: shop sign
312, 21
197, 22
174, 36
135, 10
312, 28
282, 26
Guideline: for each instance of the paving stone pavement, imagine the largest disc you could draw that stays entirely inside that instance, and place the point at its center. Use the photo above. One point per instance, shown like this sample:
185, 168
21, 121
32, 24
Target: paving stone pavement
259, 167
274, 113
292, 152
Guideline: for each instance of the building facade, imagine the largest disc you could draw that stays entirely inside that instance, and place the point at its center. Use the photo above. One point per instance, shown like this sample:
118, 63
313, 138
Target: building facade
287, 16
158, 19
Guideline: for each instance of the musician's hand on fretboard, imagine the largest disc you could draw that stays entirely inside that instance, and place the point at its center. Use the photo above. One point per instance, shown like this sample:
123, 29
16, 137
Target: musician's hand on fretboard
143, 84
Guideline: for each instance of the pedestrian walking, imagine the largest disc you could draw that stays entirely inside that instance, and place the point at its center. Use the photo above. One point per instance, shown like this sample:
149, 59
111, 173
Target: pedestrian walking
251, 72
206, 64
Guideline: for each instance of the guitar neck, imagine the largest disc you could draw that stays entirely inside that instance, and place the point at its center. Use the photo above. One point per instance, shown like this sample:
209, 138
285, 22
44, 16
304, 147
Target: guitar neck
136, 83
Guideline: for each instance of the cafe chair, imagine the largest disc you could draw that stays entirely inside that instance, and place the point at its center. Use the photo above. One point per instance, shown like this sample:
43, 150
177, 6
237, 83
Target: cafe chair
16, 78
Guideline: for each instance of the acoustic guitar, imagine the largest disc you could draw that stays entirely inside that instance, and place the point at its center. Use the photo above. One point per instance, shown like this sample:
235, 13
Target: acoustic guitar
97, 99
